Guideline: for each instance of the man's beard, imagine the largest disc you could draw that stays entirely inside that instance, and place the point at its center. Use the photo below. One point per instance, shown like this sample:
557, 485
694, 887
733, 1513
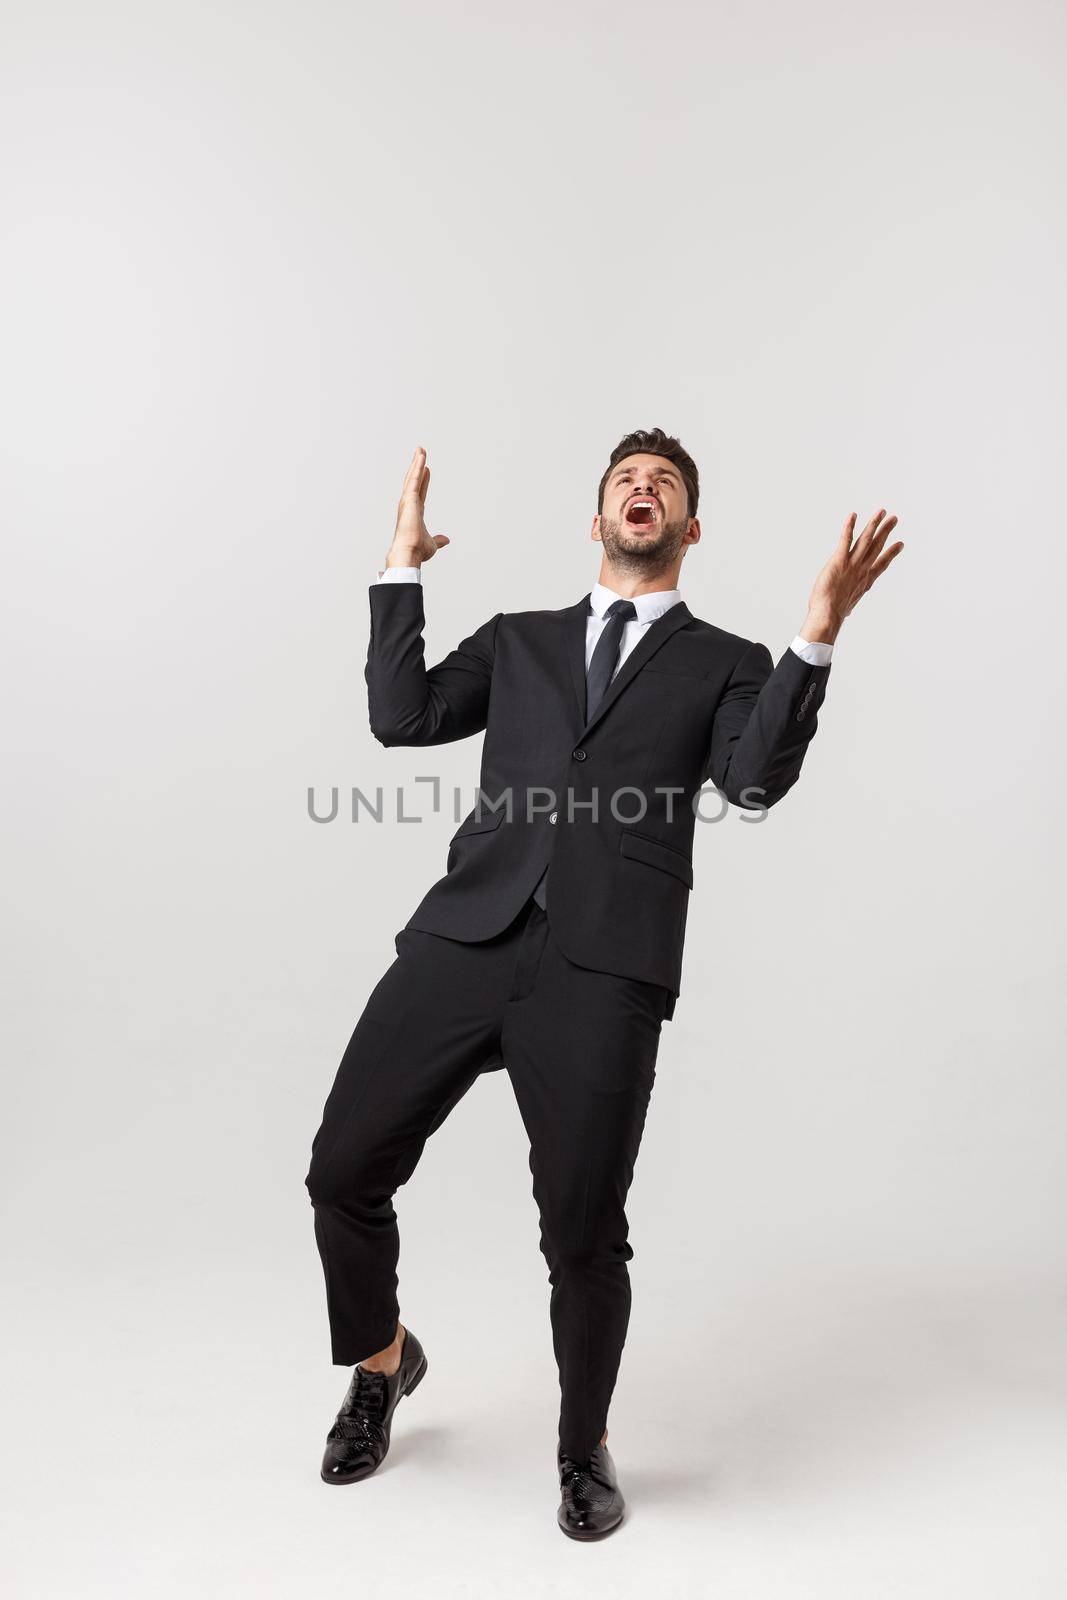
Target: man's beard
642, 555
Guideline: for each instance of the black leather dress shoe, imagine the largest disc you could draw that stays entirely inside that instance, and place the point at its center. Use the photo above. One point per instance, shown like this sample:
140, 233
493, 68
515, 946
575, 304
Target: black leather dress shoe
592, 1503
357, 1443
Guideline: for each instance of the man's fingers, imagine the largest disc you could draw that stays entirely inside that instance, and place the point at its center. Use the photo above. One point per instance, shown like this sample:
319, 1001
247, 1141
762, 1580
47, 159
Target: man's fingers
424, 485
879, 539
845, 540
868, 532
414, 472
884, 560
875, 546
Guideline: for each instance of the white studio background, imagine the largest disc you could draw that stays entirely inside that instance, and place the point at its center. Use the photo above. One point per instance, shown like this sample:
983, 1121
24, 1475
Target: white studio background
251, 255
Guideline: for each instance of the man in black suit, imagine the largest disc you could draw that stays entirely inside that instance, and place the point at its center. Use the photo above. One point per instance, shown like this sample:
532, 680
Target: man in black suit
552, 946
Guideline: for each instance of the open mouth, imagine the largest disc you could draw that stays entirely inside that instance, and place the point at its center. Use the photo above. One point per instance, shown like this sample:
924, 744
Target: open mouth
640, 513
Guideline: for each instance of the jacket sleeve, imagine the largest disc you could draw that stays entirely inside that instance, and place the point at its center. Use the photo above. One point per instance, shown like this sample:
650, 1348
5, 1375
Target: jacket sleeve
408, 703
762, 727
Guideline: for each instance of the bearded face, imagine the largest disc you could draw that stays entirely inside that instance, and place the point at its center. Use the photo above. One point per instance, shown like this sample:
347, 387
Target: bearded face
644, 520
644, 549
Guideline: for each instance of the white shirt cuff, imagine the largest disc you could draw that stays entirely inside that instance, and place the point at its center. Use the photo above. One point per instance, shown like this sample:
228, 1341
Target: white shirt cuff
814, 652
401, 575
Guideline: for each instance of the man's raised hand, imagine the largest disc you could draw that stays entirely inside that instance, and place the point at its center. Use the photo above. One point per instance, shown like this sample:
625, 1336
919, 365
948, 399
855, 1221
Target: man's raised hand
412, 542
848, 575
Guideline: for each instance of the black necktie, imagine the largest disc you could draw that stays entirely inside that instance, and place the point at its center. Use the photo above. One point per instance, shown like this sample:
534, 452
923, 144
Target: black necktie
606, 655
598, 675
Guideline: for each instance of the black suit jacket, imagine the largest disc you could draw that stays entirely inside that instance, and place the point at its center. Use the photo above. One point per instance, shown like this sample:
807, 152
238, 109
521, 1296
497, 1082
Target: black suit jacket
690, 703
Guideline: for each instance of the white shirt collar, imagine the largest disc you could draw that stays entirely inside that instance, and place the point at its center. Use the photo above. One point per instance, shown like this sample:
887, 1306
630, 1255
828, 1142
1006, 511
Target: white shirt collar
649, 606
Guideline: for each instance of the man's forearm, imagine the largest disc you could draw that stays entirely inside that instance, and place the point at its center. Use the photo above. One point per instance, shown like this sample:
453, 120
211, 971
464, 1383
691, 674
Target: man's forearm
764, 726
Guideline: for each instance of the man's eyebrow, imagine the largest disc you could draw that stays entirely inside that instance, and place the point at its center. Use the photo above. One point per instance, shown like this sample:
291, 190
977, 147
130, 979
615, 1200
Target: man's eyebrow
660, 472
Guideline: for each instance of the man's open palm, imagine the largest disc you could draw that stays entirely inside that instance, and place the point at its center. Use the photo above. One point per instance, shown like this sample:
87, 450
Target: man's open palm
852, 568
413, 543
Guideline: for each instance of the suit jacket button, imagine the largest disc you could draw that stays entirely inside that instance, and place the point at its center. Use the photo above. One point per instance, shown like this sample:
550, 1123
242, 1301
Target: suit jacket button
579, 755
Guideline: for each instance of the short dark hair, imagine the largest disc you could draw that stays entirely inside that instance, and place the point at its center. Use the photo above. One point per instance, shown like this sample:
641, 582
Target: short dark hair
654, 442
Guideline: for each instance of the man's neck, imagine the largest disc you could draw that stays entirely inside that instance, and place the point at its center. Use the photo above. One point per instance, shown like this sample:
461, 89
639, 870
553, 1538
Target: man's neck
628, 588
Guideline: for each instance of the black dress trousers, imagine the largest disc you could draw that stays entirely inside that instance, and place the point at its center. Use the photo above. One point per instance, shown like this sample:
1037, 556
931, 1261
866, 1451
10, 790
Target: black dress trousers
580, 1049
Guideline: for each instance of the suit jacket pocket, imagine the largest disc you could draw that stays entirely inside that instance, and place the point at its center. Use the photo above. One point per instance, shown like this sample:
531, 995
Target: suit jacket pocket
642, 847
478, 824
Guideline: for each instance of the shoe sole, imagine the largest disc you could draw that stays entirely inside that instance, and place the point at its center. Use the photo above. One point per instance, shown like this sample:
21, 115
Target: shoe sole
358, 1477
587, 1538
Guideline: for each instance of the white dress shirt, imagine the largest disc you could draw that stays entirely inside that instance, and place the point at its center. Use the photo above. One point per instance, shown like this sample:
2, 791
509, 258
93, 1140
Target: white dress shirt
649, 607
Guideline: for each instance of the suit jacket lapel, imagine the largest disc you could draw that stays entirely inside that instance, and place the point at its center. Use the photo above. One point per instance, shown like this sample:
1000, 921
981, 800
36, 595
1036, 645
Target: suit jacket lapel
577, 618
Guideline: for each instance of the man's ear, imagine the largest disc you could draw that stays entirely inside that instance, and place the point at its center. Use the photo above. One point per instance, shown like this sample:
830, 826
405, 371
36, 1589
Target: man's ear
594, 532
693, 534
